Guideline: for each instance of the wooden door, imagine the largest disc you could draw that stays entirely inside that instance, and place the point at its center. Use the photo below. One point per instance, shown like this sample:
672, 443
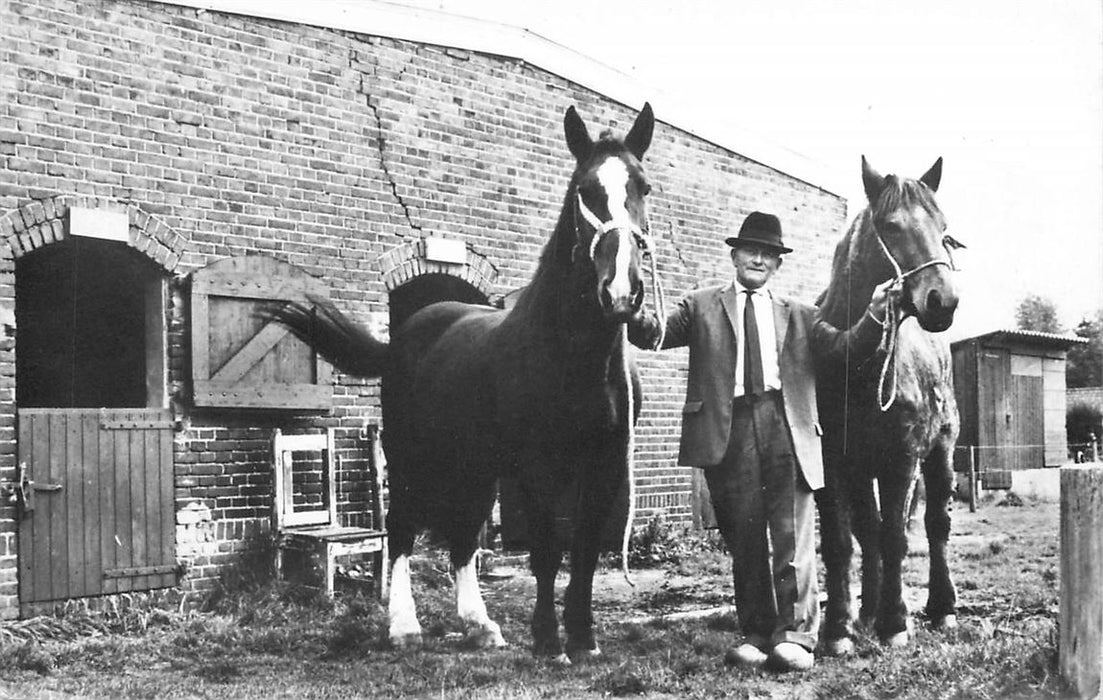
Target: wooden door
1027, 411
994, 420
96, 508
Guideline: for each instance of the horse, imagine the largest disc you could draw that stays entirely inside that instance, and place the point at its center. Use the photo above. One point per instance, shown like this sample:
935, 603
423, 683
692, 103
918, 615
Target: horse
538, 392
893, 416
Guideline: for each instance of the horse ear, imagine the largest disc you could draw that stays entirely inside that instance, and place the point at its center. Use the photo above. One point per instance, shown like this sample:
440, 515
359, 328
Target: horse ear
639, 137
578, 138
872, 180
932, 177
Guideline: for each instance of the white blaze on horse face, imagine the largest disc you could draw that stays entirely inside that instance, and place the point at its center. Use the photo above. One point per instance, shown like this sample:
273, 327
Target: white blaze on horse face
401, 612
613, 176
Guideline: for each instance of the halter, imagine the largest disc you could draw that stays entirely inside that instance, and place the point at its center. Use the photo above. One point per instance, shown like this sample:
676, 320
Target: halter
948, 242
603, 227
894, 317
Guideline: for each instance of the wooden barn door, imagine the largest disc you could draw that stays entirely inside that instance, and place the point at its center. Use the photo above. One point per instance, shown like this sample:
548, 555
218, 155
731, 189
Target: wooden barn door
1027, 425
995, 437
96, 503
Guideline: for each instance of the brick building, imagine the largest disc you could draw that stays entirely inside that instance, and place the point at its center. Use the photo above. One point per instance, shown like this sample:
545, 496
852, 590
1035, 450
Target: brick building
150, 152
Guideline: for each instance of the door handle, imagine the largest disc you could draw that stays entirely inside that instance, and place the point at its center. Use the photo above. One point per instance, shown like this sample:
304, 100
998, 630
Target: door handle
25, 488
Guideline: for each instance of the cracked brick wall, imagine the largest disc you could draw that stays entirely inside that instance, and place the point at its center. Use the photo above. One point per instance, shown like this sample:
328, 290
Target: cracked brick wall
329, 150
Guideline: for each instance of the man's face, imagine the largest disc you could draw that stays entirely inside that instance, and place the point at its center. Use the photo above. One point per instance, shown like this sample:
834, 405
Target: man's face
755, 264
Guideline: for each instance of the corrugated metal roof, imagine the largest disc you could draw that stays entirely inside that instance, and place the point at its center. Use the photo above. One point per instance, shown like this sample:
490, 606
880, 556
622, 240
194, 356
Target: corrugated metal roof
1037, 337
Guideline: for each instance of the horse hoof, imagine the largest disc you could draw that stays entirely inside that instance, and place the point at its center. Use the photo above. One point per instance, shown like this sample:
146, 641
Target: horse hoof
407, 640
947, 623
843, 646
562, 660
897, 641
487, 637
585, 654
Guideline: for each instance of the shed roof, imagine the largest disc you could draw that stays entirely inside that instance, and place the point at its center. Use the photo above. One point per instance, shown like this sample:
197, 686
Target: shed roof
375, 18
1036, 338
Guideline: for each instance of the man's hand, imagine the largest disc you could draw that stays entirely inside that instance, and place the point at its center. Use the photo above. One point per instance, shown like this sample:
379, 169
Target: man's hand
644, 329
878, 304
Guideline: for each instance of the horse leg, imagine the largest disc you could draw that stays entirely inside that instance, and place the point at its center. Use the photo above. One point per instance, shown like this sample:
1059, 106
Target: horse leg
895, 489
938, 476
867, 529
404, 629
481, 630
597, 494
544, 559
837, 548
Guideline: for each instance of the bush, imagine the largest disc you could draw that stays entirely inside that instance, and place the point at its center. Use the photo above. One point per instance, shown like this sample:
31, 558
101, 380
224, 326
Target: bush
658, 543
1082, 421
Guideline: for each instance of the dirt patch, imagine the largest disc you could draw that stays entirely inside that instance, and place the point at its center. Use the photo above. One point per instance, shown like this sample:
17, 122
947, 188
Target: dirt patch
702, 583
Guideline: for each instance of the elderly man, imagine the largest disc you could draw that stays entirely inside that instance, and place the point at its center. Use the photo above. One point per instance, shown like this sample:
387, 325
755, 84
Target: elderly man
750, 422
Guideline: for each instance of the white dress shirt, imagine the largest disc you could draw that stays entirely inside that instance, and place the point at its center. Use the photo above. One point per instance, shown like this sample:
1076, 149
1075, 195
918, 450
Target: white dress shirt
762, 299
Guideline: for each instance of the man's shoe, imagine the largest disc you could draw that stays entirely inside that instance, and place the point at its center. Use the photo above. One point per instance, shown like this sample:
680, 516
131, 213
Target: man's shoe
745, 655
789, 656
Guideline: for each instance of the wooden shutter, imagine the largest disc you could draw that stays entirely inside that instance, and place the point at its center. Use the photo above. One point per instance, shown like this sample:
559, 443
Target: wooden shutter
238, 359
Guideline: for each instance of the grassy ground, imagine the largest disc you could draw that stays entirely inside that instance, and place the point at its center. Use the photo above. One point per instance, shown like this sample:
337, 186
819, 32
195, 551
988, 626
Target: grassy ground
277, 642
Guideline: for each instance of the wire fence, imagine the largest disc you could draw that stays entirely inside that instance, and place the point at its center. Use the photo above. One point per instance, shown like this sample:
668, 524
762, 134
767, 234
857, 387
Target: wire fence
991, 467
1080, 452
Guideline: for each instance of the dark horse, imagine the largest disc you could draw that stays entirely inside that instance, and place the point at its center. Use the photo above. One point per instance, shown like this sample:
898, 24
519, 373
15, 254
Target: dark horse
538, 392
889, 422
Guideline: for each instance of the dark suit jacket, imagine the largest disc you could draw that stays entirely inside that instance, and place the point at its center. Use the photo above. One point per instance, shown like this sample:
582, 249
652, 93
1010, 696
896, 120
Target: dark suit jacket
705, 320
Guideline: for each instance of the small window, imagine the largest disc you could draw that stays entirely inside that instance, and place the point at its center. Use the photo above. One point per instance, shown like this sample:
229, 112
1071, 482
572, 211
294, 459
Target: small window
239, 360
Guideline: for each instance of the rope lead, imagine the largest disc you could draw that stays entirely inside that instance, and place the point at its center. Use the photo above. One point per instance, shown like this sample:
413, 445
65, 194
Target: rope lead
660, 304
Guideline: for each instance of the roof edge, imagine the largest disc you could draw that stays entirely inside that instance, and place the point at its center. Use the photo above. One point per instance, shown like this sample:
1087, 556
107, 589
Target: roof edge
1043, 338
376, 18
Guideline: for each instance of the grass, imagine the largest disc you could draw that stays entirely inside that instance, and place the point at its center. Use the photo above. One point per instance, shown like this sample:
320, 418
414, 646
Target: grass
264, 640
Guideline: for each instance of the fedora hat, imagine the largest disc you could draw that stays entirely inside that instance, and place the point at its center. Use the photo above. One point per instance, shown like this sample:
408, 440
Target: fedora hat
761, 229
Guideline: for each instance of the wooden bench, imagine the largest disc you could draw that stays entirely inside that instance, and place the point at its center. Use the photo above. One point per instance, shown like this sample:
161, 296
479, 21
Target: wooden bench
304, 509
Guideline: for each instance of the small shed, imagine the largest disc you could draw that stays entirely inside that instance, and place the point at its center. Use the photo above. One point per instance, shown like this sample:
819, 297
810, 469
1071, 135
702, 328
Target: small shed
1010, 390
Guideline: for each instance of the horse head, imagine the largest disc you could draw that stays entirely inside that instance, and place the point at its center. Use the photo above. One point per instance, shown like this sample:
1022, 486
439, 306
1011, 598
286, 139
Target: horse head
907, 234
608, 191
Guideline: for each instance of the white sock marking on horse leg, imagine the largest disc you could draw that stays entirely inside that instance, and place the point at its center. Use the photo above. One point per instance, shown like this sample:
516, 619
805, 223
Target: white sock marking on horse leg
472, 610
401, 612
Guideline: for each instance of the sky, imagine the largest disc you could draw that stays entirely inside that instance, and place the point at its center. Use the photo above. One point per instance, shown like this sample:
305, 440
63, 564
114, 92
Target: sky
1008, 92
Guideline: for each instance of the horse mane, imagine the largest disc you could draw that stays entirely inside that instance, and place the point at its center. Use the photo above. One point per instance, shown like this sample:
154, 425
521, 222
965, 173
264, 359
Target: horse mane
902, 192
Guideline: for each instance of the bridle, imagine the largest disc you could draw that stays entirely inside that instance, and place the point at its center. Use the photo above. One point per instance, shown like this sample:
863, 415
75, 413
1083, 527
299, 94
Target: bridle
894, 317
642, 238
948, 244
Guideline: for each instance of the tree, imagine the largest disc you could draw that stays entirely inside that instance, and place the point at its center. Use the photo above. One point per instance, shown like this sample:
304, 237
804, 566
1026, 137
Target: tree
1085, 361
1037, 313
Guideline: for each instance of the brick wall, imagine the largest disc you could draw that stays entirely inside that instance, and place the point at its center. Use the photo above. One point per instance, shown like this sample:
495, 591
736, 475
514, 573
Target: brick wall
1090, 396
328, 149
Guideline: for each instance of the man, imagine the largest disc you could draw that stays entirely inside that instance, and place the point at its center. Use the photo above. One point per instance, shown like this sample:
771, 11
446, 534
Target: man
750, 421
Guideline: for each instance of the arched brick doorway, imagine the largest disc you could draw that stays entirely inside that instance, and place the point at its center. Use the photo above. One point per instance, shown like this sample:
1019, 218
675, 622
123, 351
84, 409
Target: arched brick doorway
95, 436
425, 270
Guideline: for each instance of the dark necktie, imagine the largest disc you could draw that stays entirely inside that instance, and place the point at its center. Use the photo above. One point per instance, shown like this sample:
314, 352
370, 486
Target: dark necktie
752, 356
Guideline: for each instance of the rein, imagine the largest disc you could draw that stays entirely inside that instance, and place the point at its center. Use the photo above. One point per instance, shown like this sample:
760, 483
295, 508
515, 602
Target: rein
894, 316
647, 246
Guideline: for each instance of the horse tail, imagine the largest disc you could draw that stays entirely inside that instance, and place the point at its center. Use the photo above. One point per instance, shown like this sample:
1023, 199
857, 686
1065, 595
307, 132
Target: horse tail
343, 342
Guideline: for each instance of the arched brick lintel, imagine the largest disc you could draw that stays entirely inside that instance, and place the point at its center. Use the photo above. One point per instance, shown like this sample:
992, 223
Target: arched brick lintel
408, 260
44, 221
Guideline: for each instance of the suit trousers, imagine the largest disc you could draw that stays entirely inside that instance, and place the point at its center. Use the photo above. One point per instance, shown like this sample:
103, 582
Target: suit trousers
766, 514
